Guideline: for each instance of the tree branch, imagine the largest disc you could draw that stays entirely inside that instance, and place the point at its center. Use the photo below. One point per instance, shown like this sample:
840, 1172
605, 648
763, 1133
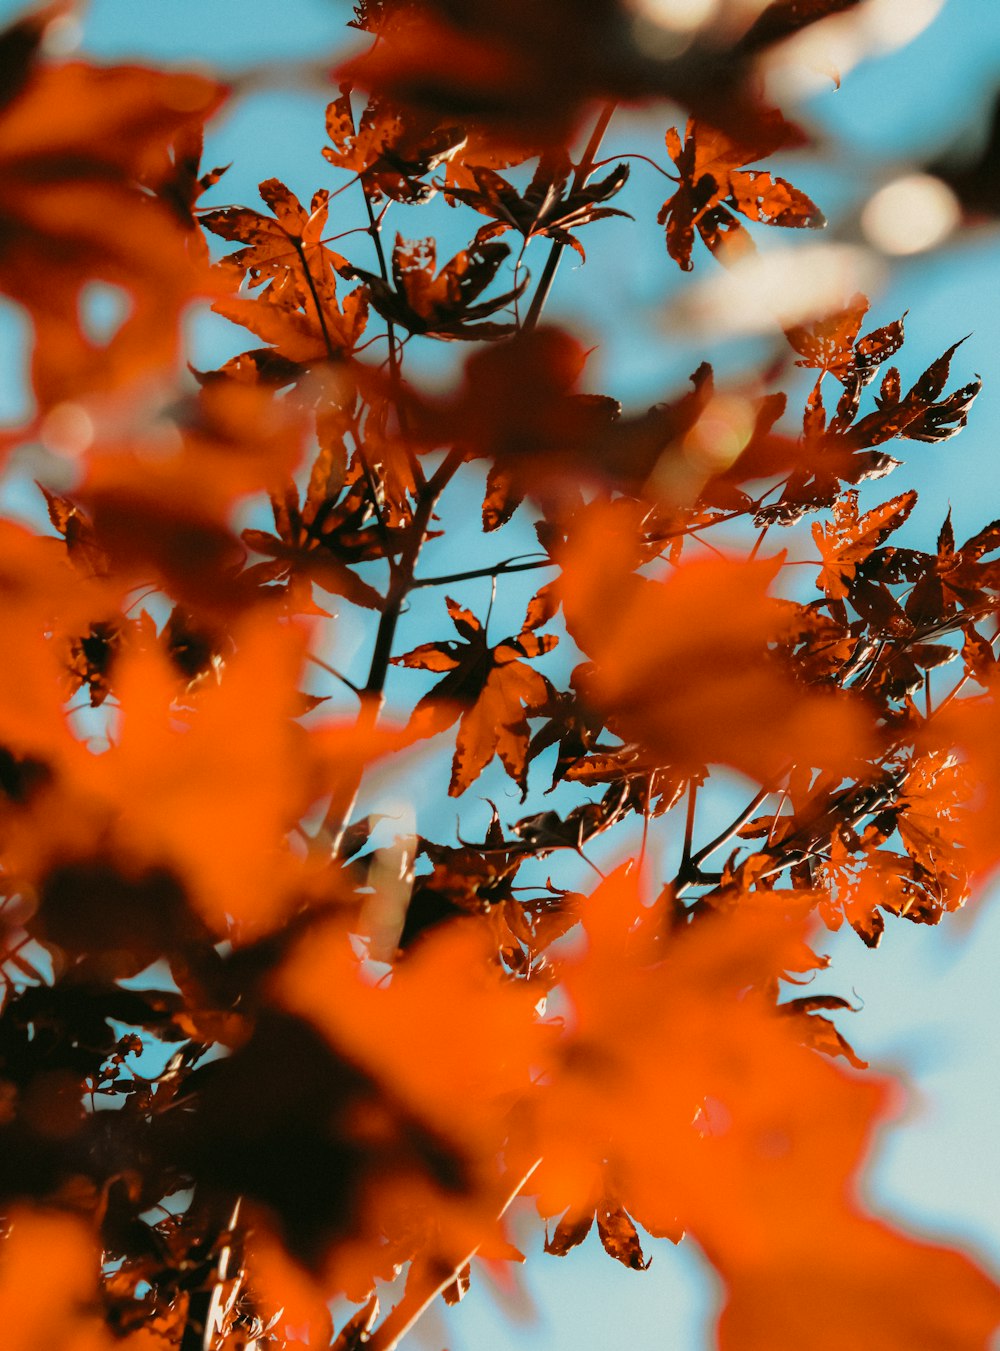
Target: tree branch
338, 814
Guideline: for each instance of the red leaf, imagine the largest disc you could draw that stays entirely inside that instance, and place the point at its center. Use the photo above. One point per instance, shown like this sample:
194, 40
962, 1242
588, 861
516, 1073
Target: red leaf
713, 182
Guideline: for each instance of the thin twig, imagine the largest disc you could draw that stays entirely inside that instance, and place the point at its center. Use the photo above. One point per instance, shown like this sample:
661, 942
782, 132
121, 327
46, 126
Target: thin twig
375, 230
337, 818
584, 169
332, 670
425, 1284
732, 829
758, 542
688, 868
497, 570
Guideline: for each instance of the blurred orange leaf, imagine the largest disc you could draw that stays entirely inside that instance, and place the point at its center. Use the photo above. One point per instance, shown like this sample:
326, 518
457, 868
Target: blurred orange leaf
685, 666
79, 146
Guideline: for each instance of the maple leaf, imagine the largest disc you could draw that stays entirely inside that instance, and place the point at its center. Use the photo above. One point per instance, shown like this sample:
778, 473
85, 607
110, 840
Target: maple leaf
236, 785
832, 345
615, 1227
481, 150
961, 742
490, 690
456, 1073
321, 555
865, 880
169, 517
321, 329
389, 152
843, 450
445, 1086
480, 70
546, 208
369, 15
527, 74
650, 788
469, 880
77, 530
180, 828
817, 1031
279, 251
337, 526
441, 306
934, 799
848, 542
954, 583
329, 1119
919, 415
48, 1284
571, 1230
714, 184
90, 659
48, 603
478, 880
619, 1236
298, 1297
519, 404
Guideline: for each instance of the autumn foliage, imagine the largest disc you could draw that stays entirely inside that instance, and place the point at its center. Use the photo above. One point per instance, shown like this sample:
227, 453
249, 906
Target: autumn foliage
267, 1042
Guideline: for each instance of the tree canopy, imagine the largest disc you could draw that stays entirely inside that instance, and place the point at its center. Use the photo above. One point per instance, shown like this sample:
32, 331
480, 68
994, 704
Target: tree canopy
283, 1051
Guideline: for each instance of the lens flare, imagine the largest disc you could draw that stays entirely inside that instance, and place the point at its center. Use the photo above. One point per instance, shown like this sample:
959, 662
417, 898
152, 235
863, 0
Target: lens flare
910, 214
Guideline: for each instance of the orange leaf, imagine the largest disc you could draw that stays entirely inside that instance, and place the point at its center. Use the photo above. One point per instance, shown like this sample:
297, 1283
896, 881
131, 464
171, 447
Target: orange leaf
389, 152
851, 539
442, 304
284, 253
713, 185
496, 688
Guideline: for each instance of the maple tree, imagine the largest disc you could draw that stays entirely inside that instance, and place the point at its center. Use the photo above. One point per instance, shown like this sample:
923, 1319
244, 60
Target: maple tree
262, 1047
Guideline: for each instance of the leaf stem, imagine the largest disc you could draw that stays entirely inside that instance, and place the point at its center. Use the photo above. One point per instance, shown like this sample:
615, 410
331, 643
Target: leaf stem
758, 542
634, 154
332, 353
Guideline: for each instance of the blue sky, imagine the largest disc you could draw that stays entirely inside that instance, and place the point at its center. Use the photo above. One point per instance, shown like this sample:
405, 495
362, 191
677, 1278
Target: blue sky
929, 996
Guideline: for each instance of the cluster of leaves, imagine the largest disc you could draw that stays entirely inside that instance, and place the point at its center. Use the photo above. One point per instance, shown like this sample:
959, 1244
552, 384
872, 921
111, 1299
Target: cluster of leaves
256, 1052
